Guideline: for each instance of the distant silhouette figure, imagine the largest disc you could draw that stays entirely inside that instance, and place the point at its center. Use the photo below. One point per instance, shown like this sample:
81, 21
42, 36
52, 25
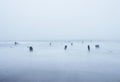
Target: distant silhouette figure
65, 48
30, 48
71, 44
97, 46
82, 42
88, 47
50, 43
15, 43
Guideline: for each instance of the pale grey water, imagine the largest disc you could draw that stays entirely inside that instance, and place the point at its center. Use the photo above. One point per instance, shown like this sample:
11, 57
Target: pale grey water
53, 64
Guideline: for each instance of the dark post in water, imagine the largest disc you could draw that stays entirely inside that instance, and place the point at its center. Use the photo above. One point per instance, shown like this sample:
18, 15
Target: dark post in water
71, 44
97, 46
65, 48
15, 43
50, 43
30, 48
88, 47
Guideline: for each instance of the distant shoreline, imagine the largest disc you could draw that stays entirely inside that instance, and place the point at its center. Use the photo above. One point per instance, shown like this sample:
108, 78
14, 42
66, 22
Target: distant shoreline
85, 40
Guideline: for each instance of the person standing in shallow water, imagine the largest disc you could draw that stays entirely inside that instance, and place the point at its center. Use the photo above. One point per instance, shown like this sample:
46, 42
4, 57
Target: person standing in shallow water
88, 47
65, 48
71, 44
30, 48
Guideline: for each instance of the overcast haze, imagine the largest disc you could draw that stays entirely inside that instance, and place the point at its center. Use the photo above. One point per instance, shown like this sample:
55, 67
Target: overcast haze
59, 19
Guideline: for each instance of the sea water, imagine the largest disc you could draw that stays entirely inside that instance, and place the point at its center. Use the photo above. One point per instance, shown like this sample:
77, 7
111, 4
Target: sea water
51, 63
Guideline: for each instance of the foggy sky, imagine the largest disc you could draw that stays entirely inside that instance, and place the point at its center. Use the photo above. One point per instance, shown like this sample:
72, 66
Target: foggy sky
59, 19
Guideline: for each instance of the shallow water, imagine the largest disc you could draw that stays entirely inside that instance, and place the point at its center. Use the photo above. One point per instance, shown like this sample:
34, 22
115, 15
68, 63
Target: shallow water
54, 64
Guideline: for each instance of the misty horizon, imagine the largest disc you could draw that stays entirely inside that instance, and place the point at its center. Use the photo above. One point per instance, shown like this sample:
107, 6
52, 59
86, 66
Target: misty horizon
58, 20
